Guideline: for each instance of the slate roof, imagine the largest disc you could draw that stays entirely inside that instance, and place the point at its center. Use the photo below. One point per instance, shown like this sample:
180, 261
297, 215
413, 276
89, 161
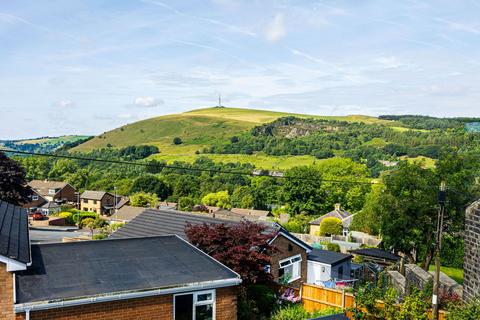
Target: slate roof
14, 238
328, 257
153, 222
42, 186
126, 213
250, 212
82, 269
339, 213
93, 195
376, 253
51, 205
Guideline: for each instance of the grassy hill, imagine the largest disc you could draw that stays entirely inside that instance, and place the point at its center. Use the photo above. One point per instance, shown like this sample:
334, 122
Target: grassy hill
43, 144
203, 127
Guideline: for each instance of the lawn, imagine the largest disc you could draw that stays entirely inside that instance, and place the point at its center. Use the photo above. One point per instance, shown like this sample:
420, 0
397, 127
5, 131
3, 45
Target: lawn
454, 273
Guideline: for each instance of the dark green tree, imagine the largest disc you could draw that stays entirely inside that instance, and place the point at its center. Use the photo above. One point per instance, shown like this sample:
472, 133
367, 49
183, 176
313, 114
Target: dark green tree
12, 181
302, 190
151, 184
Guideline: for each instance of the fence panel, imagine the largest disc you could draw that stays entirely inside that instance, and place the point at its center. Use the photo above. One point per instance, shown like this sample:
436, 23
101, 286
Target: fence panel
319, 298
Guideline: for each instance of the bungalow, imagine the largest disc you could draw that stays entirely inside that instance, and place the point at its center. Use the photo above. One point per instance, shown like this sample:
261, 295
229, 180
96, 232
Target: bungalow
324, 265
57, 191
289, 262
97, 201
50, 208
161, 277
345, 216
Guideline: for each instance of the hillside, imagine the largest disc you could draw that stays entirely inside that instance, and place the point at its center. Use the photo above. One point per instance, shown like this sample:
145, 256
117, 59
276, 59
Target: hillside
43, 144
202, 128
197, 128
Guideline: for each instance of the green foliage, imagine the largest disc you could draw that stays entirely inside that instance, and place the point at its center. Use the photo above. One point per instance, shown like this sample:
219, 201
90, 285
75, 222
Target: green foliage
298, 223
143, 199
68, 216
302, 190
331, 226
151, 184
333, 247
87, 223
114, 226
297, 312
414, 306
79, 216
99, 236
177, 140
185, 204
218, 199
242, 197
368, 220
465, 311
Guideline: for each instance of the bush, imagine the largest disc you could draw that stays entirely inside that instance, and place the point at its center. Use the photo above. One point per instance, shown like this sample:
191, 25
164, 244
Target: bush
99, 236
333, 247
330, 226
78, 216
87, 223
177, 140
143, 199
298, 224
467, 311
185, 204
297, 312
68, 216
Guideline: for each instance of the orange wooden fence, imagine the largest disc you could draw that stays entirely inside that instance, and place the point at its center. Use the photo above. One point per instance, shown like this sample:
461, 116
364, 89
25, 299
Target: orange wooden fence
318, 298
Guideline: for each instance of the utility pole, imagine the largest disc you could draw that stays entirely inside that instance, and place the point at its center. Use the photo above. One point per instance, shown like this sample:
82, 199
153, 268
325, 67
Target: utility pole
438, 248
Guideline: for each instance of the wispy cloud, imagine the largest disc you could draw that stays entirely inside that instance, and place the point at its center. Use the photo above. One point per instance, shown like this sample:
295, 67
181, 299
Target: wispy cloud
148, 101
276, 29
66, 103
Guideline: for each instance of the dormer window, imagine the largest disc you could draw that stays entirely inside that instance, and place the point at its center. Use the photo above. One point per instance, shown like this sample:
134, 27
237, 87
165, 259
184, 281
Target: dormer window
52, 191
34, 197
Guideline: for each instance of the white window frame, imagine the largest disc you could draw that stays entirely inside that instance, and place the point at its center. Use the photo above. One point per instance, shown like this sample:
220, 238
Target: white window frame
298, 260
34, 197
52, 191
196, 303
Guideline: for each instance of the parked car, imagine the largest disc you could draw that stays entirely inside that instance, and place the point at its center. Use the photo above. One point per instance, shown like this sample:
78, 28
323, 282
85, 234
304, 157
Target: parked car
38, 216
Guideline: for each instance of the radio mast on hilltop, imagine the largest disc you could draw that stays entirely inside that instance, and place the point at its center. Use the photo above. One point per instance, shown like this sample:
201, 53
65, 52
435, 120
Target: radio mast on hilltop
219, 100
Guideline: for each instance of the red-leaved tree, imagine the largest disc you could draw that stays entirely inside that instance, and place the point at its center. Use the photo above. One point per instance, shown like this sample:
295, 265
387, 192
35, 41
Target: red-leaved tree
242, 247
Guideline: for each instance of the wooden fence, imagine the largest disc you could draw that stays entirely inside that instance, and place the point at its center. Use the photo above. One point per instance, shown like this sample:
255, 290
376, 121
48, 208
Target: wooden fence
318, 298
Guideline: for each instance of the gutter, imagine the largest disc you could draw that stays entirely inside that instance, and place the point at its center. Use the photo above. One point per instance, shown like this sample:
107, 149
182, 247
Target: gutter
46, 305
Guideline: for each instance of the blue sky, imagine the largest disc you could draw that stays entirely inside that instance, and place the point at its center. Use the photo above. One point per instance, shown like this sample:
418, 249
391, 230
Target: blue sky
84, 67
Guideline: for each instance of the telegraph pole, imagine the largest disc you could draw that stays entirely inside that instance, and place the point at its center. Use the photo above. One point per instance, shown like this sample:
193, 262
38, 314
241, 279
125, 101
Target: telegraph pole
438, 248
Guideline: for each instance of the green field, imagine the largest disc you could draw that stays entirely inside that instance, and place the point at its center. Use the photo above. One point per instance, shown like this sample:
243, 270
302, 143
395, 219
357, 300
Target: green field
258, 160
454, 273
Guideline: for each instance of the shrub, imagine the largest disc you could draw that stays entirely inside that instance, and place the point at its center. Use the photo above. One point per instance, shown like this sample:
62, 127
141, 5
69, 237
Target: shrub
219, 199
185, 204
68, 216
87, 223
297, 312
467, 311
177, 140
333, 247
78, 216
330, 226
143, 199
114, 226
99, 236
298, 224
414, 306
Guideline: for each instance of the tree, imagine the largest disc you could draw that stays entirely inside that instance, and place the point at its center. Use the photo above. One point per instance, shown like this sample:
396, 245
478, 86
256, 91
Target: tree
151, 184
367, 220
177, 140
12, 181
242, 198
218, 199
331, 226
302, 190
408, 210
185, 204
143, 199
242, 247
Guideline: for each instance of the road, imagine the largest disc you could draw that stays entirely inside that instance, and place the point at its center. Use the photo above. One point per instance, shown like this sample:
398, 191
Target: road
49, 236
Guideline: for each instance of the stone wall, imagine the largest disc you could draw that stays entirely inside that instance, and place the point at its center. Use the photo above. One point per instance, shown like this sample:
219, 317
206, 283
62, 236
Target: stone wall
471, 265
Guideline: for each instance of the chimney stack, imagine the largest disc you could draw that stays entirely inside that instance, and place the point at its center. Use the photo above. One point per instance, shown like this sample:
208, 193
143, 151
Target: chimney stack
337, 206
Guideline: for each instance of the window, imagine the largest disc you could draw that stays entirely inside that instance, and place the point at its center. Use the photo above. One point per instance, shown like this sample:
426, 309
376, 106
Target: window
52, 191
194, 306
85, 200
94, 201
34, 197
290, 268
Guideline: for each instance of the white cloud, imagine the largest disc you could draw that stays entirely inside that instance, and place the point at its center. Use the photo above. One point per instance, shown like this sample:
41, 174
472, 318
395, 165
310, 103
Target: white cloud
390, 62
64, 103
276, 30
148, 101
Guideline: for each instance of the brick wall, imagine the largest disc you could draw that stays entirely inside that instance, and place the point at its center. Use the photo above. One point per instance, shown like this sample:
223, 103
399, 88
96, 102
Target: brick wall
159, 307
6, 294
282, 245
471, 264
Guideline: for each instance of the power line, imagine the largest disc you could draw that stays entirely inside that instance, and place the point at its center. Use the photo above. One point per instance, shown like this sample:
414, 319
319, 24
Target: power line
146, 164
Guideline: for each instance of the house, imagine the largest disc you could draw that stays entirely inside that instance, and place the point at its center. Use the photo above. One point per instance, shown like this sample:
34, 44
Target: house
50, 208
251, 212
345, 216
35, 200
289, 262
324, 265
161, 277
55, 191
97, 201
471, 265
